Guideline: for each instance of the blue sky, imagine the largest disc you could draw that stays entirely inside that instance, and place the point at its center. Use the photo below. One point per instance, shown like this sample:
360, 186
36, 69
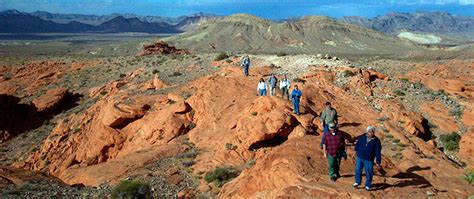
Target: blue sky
274, 9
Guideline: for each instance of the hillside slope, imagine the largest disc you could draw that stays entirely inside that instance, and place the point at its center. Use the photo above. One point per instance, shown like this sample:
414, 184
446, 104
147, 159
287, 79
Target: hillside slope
314, 34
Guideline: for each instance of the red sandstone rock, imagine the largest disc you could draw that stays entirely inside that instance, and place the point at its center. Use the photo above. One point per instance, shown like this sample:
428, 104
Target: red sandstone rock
50, 99
161, 47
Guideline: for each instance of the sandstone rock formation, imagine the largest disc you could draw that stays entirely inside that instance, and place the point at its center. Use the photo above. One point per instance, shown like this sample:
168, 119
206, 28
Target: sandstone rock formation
161, 47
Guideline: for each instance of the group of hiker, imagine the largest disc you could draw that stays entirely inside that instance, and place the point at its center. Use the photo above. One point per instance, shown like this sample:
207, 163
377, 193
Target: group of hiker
367, 146
271, 85
284, 85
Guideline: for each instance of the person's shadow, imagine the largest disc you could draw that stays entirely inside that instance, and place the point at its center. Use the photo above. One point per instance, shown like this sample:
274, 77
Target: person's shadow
409, 179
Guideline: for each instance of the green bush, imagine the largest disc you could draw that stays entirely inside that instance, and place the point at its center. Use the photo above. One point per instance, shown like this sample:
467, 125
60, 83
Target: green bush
230, 146
347, 73
221, 56
451, 141
281, 54
469, 176
404, 79
175, 74
299, 80
221, 175
455, 112
399, 93
131, 189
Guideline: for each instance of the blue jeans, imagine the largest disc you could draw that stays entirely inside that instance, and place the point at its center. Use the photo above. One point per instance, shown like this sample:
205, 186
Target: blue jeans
296, 106
325, 130
263, 92
369, 171
246, 70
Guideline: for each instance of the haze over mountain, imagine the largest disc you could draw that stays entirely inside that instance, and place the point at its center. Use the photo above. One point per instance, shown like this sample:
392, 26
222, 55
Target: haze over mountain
312, 34
432, 22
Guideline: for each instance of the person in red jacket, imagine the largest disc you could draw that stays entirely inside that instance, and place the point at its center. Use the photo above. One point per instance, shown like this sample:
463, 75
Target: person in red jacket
333, 147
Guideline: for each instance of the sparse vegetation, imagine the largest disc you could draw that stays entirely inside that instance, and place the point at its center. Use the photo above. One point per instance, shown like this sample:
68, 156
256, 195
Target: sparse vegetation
175, 74
469, 176
457, 112
281, 54
347, 73
221, 175
299, 80
230, 146
221, 56
131, 189
450, 141
399, 93
404, 79
228, 61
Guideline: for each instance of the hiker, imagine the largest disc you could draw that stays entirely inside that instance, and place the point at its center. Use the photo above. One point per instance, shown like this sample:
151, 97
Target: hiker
284, 87
334, 148
295, 97
328, 115
246, 64
262, 88
367, 149
272, 82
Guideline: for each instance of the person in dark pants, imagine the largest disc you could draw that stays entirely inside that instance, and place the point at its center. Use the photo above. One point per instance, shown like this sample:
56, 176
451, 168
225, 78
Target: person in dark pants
333, 147
246, 64
272, 82
328, 115
368, 148
295, 98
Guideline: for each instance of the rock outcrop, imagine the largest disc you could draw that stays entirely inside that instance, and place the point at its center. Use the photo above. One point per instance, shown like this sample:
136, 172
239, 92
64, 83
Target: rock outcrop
161, 47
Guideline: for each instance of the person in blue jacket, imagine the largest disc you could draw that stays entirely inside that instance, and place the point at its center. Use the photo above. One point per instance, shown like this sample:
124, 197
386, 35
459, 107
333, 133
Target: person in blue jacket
246, 64
368, 148
295, 98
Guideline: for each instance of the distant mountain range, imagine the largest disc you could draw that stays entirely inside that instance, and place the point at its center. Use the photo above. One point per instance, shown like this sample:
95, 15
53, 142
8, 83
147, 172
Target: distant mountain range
430, 22
313, 34
13, 21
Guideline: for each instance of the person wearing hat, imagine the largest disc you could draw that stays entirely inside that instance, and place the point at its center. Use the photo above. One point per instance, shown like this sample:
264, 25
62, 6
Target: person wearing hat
367, 148
334, 147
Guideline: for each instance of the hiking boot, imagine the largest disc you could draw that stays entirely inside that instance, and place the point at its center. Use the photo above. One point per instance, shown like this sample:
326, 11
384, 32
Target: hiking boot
355, 185
333, 179
368, 188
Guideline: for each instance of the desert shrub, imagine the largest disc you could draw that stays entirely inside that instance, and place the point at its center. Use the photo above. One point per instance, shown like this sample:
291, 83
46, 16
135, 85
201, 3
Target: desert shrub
399, 93
451, 141
455, 112
221, 175
155, 71
230, 146
347, 73
175, 74
221, 56
404, 79
228, 61
299, 80
469, 176
131, 189
254, 113
281, 54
